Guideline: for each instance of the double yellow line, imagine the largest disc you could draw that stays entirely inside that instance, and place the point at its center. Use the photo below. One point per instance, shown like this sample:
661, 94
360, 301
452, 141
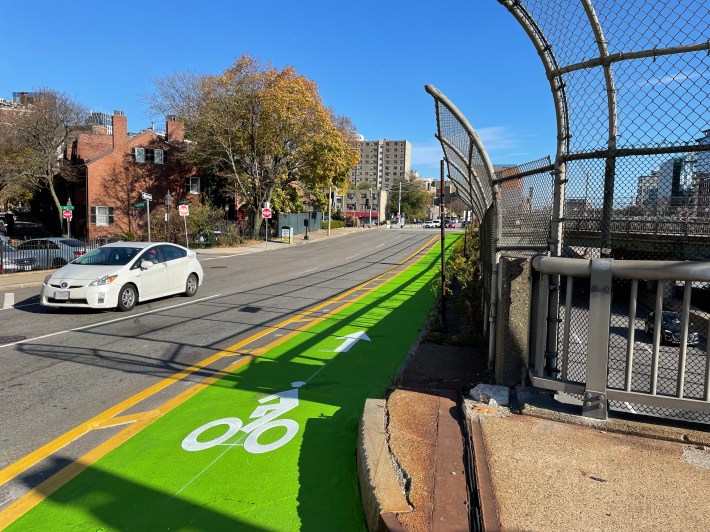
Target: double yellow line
136, 422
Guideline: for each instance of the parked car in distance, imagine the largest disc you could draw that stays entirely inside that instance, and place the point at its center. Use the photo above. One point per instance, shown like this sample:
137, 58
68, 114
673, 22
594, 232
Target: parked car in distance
670, 328
52, 252
13, 261
121, 274
432, 224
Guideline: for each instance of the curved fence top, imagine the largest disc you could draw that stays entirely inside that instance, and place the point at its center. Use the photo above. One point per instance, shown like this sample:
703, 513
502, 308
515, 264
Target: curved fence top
469, 165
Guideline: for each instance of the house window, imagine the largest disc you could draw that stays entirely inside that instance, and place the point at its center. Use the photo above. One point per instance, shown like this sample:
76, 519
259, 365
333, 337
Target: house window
192, 185
142, 155
101, 215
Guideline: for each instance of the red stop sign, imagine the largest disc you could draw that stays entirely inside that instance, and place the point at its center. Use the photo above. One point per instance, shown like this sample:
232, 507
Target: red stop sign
266, 212
67, 214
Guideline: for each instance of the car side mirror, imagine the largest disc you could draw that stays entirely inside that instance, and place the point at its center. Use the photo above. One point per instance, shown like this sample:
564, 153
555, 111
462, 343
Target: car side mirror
146, 264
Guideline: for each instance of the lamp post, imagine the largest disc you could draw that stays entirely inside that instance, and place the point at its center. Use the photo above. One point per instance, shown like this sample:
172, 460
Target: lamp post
168, 203
370, 223
399, 206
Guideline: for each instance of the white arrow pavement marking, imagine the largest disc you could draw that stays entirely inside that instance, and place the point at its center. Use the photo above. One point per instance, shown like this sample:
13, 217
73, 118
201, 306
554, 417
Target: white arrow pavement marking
9, 300
351, 340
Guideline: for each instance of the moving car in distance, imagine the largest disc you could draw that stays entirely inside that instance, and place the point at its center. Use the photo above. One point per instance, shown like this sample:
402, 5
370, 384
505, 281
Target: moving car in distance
670, 328
121, 274
432, 224
52, 252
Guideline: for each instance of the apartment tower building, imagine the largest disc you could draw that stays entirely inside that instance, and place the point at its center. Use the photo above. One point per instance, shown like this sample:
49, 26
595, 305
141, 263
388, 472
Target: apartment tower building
381, 162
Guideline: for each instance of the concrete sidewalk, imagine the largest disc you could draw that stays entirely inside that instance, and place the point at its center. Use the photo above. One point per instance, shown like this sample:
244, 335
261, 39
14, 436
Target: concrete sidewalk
536, 465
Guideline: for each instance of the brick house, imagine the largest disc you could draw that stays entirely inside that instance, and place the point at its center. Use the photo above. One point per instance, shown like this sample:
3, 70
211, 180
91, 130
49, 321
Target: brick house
116, 167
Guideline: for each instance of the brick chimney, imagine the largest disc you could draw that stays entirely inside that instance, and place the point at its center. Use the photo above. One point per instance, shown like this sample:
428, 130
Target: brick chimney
174, 130
120, 130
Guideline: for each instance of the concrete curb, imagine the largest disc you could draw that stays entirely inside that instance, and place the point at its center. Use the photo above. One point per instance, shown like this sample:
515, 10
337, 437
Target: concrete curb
380, 491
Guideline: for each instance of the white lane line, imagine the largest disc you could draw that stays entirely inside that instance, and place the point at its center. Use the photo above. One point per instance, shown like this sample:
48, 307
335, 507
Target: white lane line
306, 271
93, 325
380, 245
352, 256
9, 301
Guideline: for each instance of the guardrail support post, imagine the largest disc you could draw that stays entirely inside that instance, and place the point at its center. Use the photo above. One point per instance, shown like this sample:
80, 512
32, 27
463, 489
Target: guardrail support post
595, 401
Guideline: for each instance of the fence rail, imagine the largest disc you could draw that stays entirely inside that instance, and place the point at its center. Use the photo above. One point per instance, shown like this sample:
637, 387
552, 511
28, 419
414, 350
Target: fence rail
626, 364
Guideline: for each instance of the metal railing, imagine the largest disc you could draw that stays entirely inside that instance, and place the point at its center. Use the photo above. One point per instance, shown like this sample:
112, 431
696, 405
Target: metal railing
620, 360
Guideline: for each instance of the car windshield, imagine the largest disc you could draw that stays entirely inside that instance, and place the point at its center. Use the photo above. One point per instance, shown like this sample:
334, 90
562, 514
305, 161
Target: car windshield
670, 318
72, 242
7, 248
108, 256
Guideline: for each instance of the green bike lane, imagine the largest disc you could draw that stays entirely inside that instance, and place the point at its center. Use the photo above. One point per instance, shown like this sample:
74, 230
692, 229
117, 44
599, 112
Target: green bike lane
269, 446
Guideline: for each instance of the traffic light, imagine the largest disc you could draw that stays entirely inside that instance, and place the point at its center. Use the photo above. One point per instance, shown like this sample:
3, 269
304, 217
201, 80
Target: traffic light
367, 203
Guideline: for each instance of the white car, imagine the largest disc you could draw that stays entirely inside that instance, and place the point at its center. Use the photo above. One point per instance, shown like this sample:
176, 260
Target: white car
121, 274
432, 224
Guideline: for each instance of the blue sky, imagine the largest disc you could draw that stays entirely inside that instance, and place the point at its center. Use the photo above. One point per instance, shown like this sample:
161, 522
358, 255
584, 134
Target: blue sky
370, 61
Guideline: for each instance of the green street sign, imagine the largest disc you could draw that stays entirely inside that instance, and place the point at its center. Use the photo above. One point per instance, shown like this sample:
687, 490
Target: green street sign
67, 207
138, 204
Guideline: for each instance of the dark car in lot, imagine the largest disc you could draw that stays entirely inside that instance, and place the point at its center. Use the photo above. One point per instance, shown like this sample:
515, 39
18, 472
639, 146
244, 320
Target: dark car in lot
670, 328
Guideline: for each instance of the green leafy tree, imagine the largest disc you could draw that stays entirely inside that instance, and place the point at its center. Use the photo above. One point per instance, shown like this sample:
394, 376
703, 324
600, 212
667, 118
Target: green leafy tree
415, 198
32, 140
261, 128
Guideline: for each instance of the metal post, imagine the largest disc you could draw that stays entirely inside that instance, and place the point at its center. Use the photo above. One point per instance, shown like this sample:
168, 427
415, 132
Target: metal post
330, 205
370, 224
601, 279
399, 206
443, 250
69, 219
147, 204
187, 243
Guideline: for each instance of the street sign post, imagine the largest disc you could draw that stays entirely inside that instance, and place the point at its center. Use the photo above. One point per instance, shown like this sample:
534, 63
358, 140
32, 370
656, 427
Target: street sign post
184, 211
266, 214
67, 215
147, 197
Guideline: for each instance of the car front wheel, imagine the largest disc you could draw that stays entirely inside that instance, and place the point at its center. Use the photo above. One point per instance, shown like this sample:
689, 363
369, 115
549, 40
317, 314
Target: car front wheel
127, 298
191, 285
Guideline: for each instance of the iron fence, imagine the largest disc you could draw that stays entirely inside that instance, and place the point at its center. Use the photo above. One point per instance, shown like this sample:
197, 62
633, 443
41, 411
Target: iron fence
643, 348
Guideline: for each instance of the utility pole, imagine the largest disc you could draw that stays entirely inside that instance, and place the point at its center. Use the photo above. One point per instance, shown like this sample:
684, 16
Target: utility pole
399, 206
330, 204
443, 250
370, 224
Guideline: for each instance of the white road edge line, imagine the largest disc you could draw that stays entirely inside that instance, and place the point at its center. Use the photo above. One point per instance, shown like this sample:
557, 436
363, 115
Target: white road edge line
130, 316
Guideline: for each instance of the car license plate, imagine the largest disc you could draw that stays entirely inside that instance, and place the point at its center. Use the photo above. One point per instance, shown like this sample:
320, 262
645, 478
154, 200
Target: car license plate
61, 294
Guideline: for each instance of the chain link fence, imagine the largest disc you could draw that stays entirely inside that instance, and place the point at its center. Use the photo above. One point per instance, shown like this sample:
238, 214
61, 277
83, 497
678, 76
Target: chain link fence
631, 175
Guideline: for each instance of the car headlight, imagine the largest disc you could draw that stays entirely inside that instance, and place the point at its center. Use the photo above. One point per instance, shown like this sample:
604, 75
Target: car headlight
46, 279
106, 279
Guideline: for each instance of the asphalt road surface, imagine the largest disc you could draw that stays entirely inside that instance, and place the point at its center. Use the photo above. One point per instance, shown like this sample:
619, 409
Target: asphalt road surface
68, 366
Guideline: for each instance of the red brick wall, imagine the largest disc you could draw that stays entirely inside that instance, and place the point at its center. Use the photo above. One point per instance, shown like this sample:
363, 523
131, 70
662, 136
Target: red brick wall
115, 180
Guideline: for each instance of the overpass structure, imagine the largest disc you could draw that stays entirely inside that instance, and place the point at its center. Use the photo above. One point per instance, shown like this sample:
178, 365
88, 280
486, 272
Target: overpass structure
615, 130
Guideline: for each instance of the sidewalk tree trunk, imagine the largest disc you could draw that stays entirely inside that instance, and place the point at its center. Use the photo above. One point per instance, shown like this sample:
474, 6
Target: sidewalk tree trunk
262, 128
